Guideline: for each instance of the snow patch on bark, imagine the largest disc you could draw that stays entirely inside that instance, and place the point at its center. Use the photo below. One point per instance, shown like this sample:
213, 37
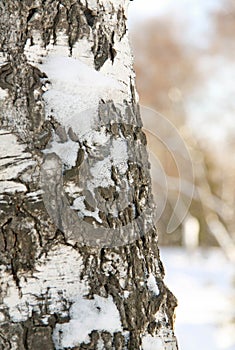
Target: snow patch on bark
119, 155
56, 278
78, 204
101, 171
87, 315
97, 138
152, 284
69, 74
66, 151
75, 92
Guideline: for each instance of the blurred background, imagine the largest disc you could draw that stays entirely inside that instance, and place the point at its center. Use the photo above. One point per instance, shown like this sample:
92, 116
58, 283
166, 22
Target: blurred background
184, 53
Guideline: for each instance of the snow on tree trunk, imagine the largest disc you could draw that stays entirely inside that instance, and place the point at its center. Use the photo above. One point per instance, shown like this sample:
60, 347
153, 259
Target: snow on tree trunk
79, 262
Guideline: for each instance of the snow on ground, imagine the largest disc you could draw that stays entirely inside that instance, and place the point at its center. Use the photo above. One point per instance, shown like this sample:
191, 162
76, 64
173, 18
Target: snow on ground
202, 282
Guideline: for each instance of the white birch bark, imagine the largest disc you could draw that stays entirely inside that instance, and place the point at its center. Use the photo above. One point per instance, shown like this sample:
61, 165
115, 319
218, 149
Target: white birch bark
79, 261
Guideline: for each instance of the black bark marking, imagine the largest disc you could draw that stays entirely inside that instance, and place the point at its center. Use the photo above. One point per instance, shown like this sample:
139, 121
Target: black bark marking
32, 77
101, 52
6, 76
31, 13
89, 17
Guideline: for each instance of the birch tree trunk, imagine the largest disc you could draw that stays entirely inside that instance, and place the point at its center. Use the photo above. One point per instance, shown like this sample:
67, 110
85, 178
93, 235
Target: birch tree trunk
79, 262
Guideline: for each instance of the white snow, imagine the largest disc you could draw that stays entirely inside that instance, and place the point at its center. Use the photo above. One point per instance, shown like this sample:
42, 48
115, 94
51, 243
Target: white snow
97, 138
152, 284
87, 315
76, 87
101, 171
100, 344
112, 78
78, 204
202, 283
119, 155
66, 151
152, 343
69, 74
75, 92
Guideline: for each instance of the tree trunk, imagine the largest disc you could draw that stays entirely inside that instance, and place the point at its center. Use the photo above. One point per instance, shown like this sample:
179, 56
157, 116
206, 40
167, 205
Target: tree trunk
79, 262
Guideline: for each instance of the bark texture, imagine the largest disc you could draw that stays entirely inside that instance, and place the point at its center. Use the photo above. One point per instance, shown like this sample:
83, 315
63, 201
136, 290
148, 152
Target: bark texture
72, 251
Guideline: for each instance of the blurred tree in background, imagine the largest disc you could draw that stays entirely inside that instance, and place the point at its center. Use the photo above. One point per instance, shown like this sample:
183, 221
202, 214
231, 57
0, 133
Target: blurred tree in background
225, 26
169, 75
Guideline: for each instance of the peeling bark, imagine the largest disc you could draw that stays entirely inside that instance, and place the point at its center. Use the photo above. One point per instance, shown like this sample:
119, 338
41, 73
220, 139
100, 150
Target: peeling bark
78, 239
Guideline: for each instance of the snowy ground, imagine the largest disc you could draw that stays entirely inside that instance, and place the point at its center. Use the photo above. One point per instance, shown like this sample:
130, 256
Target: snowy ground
202, 282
